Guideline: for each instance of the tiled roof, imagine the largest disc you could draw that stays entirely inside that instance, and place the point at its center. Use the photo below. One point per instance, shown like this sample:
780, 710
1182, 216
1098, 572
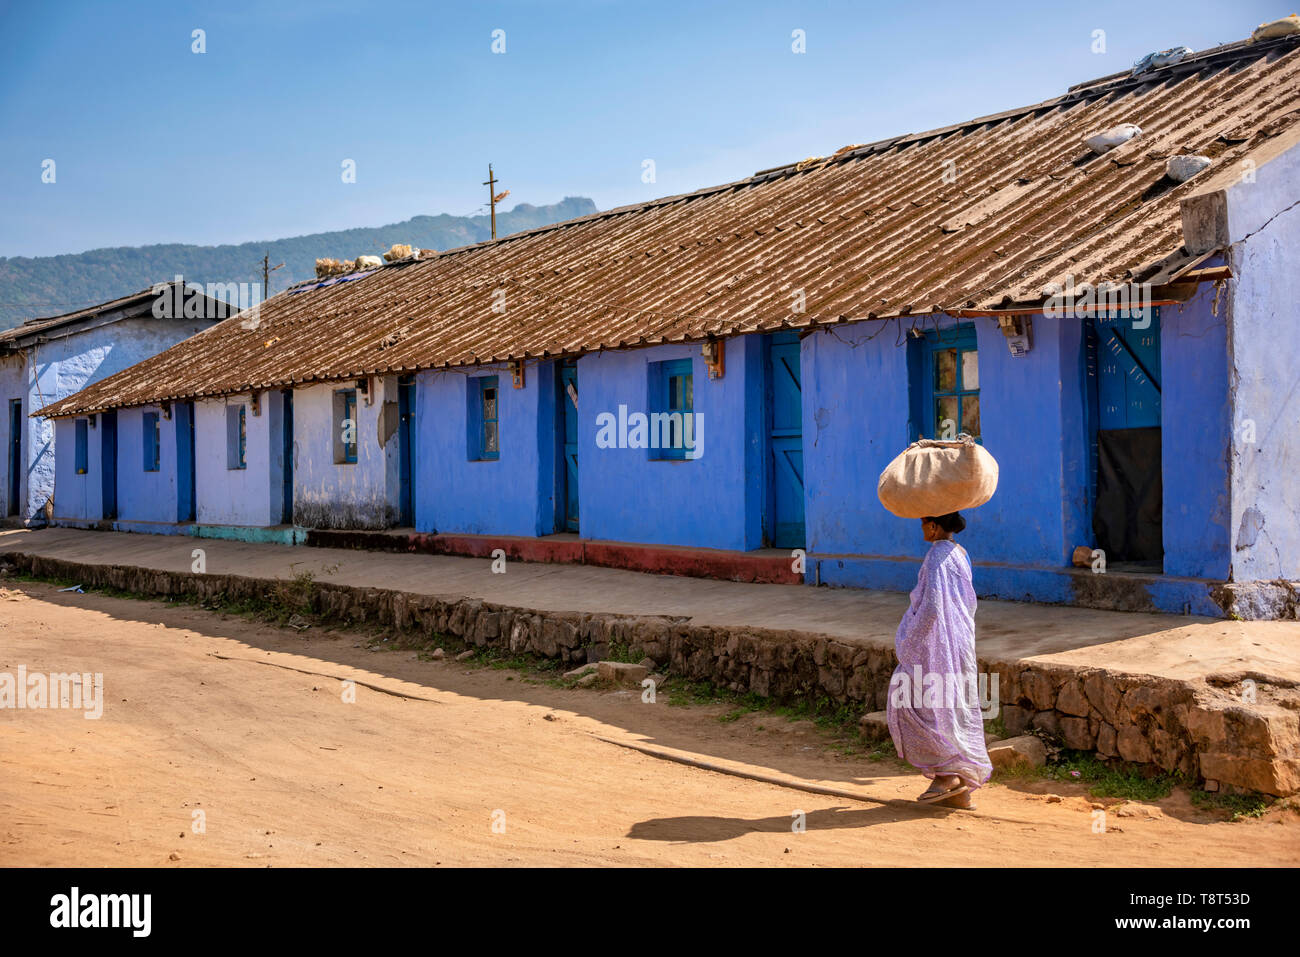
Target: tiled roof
875, 231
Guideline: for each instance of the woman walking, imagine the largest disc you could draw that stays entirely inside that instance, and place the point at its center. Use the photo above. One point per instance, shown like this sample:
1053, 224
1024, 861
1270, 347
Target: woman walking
940, 734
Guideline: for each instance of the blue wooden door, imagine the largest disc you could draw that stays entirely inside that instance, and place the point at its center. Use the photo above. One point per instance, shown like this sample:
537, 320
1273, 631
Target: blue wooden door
1128, 374
406, 449
15, 453
785, 439
108, 463
568, 399
183, 417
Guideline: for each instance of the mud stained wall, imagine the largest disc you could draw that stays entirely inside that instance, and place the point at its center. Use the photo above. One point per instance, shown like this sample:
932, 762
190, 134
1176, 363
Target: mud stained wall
226, 496
329, 494
80, 497
145, 496
458, 493
1264, 221
713, 501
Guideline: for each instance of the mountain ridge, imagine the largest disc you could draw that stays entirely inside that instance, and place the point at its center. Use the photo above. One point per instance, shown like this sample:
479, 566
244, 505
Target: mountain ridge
42, 286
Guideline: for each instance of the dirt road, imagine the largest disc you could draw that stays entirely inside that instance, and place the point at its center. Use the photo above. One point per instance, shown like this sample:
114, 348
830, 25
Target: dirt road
444, 763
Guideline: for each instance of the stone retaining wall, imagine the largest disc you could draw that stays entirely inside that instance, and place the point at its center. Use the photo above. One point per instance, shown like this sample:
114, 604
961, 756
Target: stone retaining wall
1204, 729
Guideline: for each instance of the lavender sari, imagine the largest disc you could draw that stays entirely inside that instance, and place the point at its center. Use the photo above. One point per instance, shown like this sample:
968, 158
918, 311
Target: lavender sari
939, 731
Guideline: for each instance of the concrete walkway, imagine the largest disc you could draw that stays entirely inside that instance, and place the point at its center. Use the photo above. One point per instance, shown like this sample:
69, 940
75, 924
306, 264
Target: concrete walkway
1181, 647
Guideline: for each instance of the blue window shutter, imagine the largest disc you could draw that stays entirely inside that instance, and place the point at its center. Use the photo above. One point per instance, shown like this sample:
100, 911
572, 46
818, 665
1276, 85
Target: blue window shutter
350, 415
673, 390
489, 415
942, 389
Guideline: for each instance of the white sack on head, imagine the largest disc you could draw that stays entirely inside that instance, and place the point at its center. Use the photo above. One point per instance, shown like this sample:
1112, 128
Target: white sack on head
934, 477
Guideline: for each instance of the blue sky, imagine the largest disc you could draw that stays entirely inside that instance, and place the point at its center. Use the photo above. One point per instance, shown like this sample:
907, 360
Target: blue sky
155, 143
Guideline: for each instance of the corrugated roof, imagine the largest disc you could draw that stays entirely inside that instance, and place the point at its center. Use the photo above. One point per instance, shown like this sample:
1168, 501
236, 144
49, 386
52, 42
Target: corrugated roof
872, 232
133, 306
40, 327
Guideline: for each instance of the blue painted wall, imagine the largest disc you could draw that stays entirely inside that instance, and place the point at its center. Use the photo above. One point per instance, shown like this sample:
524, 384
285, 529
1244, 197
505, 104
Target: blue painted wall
1195, 438
79, 500
145, 496
714, 501
247, 496
856, 410
514, 494
56, 369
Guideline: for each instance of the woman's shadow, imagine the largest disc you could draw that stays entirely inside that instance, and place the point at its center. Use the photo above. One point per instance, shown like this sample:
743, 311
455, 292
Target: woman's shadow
702, 829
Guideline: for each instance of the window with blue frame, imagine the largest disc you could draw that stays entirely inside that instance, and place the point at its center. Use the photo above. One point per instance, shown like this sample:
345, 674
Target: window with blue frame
345, 427
672, 393
485, 403
236, 437
82, 445
152, 442
946, 384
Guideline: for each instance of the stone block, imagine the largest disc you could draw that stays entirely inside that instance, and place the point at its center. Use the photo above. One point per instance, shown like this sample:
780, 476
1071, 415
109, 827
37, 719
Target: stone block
621, 673
1026, 750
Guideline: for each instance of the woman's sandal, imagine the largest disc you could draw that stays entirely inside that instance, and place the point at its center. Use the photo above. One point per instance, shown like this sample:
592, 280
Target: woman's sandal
934, 794
962, 802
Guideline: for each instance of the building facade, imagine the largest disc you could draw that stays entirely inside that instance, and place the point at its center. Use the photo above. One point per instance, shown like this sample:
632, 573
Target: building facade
47, 360
730, 371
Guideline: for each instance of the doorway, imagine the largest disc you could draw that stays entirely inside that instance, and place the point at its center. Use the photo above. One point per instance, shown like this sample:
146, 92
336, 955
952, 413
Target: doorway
15, 456
108, 464
568, 416
286, 453
1124, 365
186, 500
406, 450
784, 395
